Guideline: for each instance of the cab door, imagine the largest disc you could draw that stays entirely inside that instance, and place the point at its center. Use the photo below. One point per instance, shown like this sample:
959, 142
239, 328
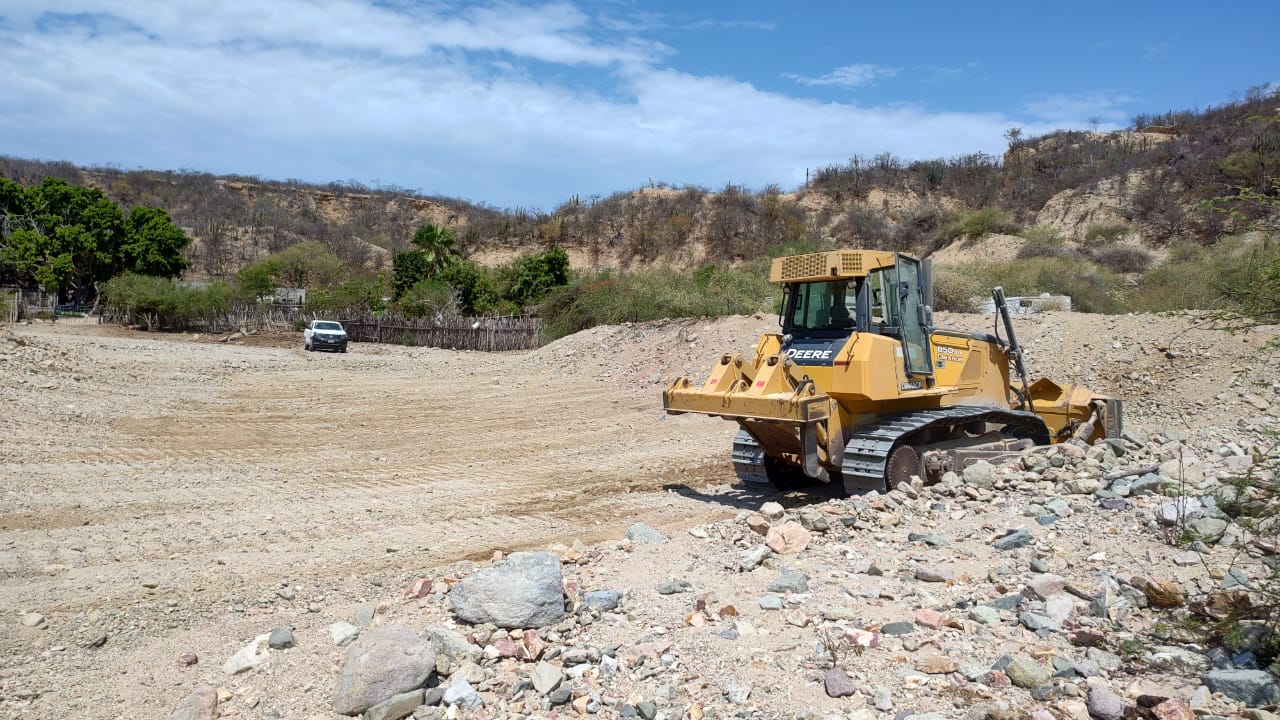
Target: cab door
909, 303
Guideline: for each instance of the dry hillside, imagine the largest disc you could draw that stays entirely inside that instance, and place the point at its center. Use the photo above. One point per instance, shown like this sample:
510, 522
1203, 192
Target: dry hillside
1142, 188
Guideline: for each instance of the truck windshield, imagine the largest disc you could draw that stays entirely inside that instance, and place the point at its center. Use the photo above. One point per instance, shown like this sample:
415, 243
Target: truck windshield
823, 306
328, 326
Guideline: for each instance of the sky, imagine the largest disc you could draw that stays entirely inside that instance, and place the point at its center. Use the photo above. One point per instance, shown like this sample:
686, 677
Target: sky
528, 104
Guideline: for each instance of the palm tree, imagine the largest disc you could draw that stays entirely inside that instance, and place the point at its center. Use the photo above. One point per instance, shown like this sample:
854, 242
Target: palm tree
436, 244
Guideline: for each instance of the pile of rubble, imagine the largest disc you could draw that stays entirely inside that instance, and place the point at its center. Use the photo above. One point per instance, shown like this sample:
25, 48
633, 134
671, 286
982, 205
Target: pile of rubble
1058, 585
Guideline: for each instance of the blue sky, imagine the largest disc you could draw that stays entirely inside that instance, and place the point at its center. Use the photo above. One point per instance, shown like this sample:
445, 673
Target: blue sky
528, 103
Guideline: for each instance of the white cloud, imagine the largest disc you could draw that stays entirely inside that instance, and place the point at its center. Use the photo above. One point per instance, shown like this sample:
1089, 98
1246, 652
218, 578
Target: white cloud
645, 21
553, 33
1076, 109
848, 76
457, 104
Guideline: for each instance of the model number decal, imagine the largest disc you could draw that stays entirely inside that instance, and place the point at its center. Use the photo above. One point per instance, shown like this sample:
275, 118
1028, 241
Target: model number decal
944, 350
809, 354
913, 385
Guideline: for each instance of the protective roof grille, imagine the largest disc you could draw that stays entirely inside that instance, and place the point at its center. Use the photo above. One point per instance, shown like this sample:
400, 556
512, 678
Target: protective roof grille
798, 266
850, 263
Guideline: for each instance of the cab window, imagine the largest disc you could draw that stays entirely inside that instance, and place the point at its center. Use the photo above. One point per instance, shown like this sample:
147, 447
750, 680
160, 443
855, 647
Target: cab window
823, 307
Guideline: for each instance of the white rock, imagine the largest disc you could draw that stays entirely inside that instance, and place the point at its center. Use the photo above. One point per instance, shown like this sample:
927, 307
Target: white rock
343, 633
248, 657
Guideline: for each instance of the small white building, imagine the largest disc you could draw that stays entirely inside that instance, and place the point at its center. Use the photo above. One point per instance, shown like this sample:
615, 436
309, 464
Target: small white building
289, 297
1030, 304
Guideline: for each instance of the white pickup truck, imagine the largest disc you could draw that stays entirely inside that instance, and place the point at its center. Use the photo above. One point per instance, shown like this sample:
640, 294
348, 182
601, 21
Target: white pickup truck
324, 335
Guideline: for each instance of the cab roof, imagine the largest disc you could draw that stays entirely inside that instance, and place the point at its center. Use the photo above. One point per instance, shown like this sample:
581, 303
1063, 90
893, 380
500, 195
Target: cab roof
831, 265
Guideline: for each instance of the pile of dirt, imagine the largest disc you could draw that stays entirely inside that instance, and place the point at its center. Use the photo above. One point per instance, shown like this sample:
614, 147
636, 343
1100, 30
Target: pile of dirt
1182, 368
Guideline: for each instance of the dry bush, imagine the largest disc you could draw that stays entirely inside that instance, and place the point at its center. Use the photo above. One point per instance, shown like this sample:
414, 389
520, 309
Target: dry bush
1124, 259
1107, 234
865, 228
1045, 241
955, 291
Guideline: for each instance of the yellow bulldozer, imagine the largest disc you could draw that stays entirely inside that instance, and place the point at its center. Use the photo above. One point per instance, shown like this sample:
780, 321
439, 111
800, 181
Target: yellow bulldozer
860, 388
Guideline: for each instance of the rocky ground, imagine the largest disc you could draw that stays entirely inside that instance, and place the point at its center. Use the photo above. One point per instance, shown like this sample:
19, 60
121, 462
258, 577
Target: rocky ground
168, 549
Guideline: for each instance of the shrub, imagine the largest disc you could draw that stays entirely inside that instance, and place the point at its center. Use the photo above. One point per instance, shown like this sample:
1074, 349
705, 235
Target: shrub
1092, 289
1045, 241
477, 288
530, 278
864, 227
1252, 282
1046, 234
1233, 276
1158, 210
354, 296
429, 298
800, 246
1123, 259
984, 221
605, 298
923, 227
955, 291
1109, 234
159, 302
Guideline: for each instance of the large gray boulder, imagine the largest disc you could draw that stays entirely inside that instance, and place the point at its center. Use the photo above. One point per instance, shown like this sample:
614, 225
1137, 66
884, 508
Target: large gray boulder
389, 660
980, 474
525, 591
1208, 529
1254, 688
1103, 704
1027, 673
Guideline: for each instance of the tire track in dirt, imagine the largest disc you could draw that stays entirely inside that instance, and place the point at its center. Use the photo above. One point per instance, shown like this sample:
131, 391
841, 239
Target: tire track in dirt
264, 464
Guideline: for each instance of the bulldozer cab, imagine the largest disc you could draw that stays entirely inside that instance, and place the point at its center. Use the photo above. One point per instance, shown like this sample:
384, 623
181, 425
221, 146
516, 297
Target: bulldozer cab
822, 309
820, 315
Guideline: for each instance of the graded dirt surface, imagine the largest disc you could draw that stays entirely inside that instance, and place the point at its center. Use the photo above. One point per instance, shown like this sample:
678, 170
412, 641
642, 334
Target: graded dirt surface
213, 472
167, 492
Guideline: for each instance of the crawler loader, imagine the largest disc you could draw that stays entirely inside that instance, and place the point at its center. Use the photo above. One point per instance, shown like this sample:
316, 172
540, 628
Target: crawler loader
860, 388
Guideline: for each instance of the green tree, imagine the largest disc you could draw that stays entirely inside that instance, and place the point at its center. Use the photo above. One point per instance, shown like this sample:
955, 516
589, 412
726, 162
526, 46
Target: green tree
530, 278
309, 265
435, 242
152, 244
409, 268
68, 238
257, 280
477, 288
434, 255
